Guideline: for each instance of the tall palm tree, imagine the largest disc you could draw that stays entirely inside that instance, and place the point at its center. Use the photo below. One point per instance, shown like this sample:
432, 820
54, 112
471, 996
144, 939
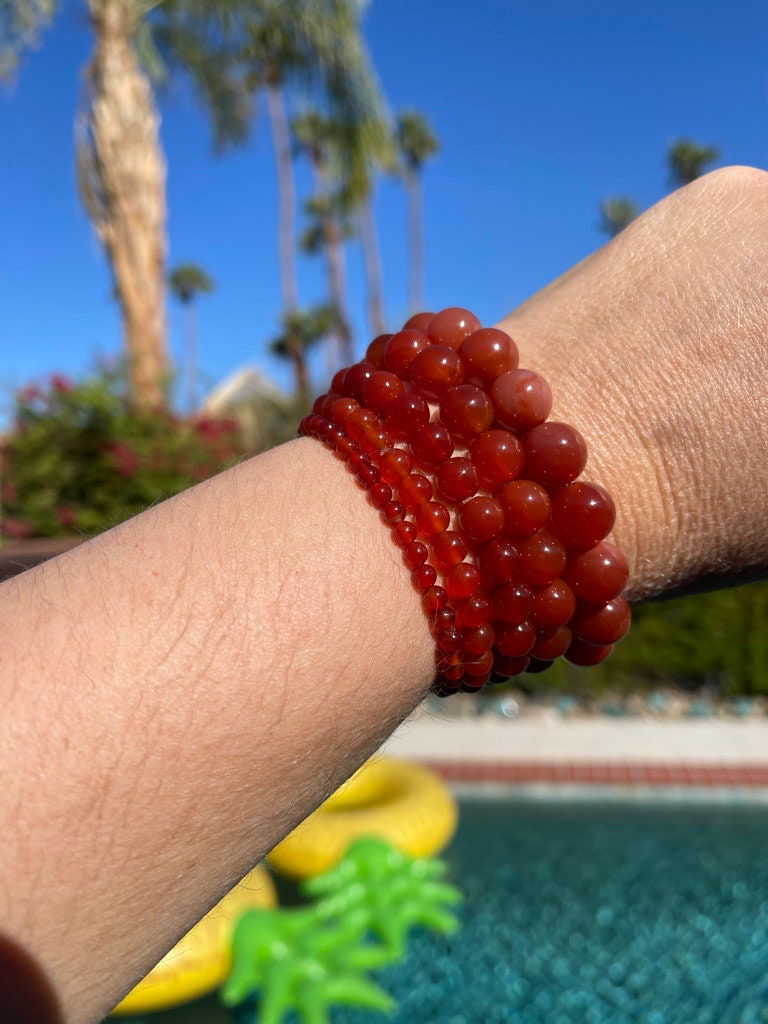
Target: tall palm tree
302, 330
687, 161
615, 213
416, 143
186, 282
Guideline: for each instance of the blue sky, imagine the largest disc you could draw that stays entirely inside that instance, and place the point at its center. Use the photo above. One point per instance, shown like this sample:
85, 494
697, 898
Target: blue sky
542, 110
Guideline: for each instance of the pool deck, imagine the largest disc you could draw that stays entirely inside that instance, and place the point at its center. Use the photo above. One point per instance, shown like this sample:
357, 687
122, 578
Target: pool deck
587, 750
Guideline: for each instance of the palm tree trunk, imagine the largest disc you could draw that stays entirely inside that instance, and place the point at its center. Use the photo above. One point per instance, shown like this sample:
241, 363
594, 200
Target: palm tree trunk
125, 192
191, 355
337, 286
286, 195
415, 243
374, 277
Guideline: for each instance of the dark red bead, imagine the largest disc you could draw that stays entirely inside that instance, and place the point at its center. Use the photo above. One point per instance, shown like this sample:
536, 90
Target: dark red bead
448, 640
513, 602
346, 447
431, 445
367, 475
498, 457
550, 646
380, 389
457, 479
526, 507
477, 641
487, 354
482, 518
463, 580
436, 370
393, 512
582, 514
467, 411
581, 653
394, 464
553, 606
515, 641
401, 350
423, 577
355, 377
434, 599
448, 549
404, 533
498, 561
432, 518
342, 409
360, 422
452, 326
521, 399
480, 666
599, 574
473, 611
375, 352
414, 490
542, 558
602, 624
555, 454
380, 494
507, 667
419, 321
441, 620
337, 384
405, 415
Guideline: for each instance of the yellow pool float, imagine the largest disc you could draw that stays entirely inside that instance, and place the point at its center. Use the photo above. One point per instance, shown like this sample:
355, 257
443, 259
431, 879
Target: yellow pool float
400, 801
200, 962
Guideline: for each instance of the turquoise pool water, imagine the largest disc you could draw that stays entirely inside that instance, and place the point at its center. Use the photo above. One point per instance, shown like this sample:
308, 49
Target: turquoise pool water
590, 912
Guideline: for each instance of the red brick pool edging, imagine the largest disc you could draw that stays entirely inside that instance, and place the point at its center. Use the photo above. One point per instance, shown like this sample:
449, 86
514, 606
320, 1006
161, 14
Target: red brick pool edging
602, 773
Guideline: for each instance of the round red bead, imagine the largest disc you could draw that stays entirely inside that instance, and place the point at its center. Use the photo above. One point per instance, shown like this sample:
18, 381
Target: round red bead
432, 518
602, 624
419, 321
522, 399
498, 457
582, 514
401, 349
423, 576
414, 490
406, 414
355, 377
553, 606
394, 464
482, 518
448, 549
599, 574
513, 602
452, 326
581, 653
526, 507
467, 411
487, 354
542, 558
515, 641
473, 611
342, 409
550, 646
435, 370
462, 581
499, 561
457, 479
380, 389
431, 444
375, 351
555, 454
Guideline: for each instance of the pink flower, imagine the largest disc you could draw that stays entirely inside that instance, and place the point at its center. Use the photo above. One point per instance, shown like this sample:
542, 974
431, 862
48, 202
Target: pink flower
126, 459
29, 394
61, 383
16, 528
66, 515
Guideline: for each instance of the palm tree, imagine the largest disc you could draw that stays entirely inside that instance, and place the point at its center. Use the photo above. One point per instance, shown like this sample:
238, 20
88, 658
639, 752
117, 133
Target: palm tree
687, 161
186, 282
416, 143
302, 329
615, 213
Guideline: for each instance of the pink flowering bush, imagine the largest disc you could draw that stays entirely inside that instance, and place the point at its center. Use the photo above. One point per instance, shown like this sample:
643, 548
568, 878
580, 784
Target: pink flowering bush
78, 459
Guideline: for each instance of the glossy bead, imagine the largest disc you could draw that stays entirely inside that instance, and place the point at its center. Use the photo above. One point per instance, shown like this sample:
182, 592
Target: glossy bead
516, 641
473, 611
463, 580
401, 349
487, 354
448, 549
555, 454
553, 606
482, 518
380, 494
467, 411
367, 474
457, 479
355, 377
599, 574
431, 445
346, 447
580, 653
423, 577
380, 389
342, 409
582, 514
394, 464
452, 326
448, 640
498, 457
359, 422
415, 554
375, 351
414, 490
550, 646
513, 602
405, 415
432, 518
404, 533
542, 558
507, 667
602, 624
477, 641
419, 321
480, 665
393, 512
498, 561
435, 370
441, 620
522, 399
434, 599
526, 507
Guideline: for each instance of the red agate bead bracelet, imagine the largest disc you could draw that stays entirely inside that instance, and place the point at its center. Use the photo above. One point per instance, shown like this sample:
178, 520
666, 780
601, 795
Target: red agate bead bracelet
507, 546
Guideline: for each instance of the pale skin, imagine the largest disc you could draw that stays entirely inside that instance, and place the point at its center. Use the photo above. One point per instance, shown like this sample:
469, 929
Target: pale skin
178, 693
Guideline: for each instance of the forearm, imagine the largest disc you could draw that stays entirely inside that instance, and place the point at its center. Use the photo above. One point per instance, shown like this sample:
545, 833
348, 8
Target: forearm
206, 674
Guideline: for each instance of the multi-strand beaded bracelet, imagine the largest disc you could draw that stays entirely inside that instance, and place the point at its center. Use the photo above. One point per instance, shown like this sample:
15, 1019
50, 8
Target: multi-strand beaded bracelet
451, 440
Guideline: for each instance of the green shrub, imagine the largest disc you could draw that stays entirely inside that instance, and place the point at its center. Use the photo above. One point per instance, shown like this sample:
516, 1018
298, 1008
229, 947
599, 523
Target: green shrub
78, 459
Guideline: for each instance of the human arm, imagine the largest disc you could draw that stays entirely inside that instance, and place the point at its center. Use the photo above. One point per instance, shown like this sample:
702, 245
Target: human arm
178, 693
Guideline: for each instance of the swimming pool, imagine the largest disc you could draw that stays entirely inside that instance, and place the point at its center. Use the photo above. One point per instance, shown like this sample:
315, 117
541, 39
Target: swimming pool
590, 911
